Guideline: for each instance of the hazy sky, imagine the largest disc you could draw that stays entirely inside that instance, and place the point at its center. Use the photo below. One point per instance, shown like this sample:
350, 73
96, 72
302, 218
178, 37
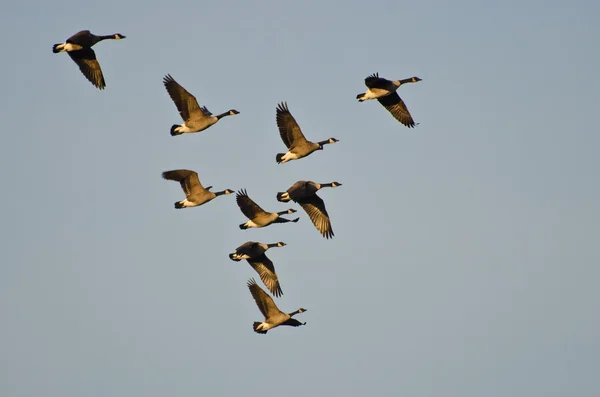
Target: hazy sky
465, 261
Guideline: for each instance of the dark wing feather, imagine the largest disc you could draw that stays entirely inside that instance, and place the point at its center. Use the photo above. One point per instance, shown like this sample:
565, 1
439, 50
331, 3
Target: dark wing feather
302, 189
248, 207
89, 66
395, 105
246, 249
374, 81
266, 270
188, 180
315, 208
186, 103
290, 131
82, 38
264, 302
292, 322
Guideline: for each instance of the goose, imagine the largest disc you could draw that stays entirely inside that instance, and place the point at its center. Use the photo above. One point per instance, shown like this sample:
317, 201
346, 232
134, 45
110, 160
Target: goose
195, 193
195, 118
293, 138
385, 92
259, 217
273, 316
79, 48
254, 253
305, 194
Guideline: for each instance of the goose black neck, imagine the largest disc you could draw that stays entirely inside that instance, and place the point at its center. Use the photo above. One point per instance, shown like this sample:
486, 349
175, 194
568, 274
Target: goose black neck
273, 245
222, 192
219, 116
324, 142
108, 36
326, 184
292, 314
404, 81
282, 212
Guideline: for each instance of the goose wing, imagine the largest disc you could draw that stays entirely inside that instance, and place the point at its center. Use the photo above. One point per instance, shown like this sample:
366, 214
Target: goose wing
89, 66
302, 189
395, 105
315, 208
248, 207
292, 322
266, 270
374, 81
186, 103
290, 131
246, 249
79, 37
264, 302
188, 180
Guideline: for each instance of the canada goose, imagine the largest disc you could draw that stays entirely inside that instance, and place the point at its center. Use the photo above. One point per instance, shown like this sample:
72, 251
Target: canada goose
254, 253
273, 316
195, 193
293, 138
195, 118
259, 217
79, 48
305, 194
385, 92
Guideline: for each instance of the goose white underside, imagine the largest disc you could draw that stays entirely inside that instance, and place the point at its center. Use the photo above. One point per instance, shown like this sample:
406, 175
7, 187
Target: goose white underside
377, 93
263, 327
186, 203
251, 224
183, 129
288, 157
68, 47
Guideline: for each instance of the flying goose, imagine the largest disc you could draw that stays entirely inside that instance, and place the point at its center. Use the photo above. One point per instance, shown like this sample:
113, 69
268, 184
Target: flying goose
254, 253
79, 48
293, 138
305, 194
195, 193
195, 118
273, 316
385, 92
259, 217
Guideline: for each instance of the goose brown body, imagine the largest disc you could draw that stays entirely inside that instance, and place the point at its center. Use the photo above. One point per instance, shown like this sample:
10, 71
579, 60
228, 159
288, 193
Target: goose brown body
384, 91
273, 316
79, 47
254, 253
305, 194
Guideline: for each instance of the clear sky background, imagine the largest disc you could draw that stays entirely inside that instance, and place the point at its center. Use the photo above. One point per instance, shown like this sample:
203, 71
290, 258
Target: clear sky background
466, 258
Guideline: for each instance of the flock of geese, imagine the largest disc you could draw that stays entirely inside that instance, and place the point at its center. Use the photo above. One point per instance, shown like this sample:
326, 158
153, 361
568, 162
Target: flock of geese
198, 118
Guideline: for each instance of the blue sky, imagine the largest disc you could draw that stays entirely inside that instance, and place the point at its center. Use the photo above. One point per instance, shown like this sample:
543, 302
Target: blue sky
465, 261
